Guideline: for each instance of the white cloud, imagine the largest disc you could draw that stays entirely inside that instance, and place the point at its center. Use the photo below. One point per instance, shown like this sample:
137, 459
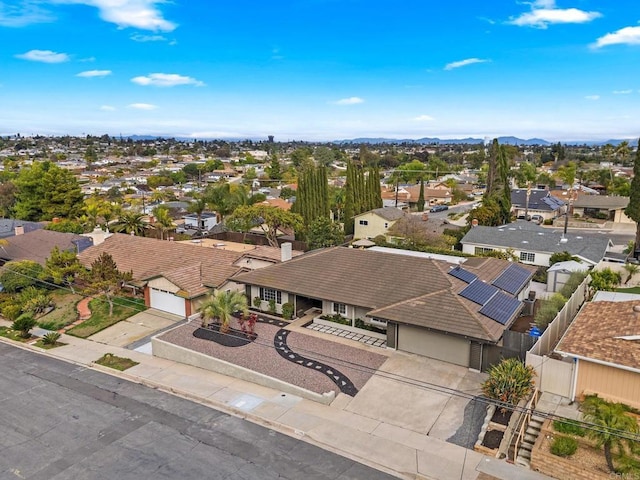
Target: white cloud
424, 118
625, 36
592, 97
349, 101
147, 38
142, 14
45, 56
107, 108
142, 106
464, 63
22, 14
166, 80
545, 12
94, 73
622, 92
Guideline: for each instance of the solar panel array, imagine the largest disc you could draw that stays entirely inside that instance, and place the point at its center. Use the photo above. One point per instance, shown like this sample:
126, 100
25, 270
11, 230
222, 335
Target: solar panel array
462, 274
479, 292
501, 307
512, 279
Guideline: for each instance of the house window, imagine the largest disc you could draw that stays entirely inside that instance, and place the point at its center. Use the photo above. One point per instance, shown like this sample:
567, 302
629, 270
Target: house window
364, 222
386, 225
268, 294
481, 250
339, 308
527, 257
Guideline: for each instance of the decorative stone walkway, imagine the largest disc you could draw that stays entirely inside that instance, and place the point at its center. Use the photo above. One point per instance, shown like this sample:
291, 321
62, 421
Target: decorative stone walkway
342, 381
339, 332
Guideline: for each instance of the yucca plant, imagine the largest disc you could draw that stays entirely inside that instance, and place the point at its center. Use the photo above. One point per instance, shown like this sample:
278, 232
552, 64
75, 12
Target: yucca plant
509, 381
51, 338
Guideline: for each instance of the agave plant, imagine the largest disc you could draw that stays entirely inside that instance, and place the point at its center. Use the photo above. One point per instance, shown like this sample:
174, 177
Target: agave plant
51, 338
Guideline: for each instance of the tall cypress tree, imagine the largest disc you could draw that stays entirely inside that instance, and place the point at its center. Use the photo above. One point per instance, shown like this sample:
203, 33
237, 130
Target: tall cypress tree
420, 203
349, 203
633, 208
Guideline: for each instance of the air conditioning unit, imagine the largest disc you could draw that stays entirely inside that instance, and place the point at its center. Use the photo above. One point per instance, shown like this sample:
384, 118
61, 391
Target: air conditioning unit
528, 307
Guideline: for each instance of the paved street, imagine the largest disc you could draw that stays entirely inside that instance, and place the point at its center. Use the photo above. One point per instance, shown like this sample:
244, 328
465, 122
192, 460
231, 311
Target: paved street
63, 422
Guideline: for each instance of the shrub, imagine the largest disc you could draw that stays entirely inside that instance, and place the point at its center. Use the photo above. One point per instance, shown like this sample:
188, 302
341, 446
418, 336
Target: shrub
568, 427
509, 381
19, 274
564, 446
605, 279
24, 323
272, 306
11, 311
51, 338
337, 318
574, 281
257, 301
287, 310
548, 310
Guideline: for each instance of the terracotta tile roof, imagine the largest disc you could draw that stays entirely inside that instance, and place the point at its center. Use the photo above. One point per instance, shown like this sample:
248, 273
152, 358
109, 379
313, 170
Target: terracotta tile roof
278, 202
265, 252
188, 266
595, 333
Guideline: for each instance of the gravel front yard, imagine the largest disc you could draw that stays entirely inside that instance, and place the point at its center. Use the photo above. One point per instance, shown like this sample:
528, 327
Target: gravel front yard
261, 356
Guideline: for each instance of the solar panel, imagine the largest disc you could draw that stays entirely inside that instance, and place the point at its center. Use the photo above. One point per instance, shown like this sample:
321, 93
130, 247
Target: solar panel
479, 292
512, 279
501, 308
462, 274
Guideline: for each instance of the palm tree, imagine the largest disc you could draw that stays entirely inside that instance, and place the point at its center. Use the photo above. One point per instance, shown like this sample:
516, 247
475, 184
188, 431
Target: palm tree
613, 426
197, 206
132, 223
221, 306
163, 222
631, 269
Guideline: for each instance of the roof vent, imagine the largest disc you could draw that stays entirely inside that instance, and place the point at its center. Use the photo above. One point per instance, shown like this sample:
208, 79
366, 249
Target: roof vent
564, 240
579, 238
525, 241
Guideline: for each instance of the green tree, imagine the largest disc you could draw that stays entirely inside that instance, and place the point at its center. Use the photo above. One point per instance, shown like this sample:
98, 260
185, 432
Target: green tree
23, 324
633, 208
623, 151
274, 169
7, 198
221, 306
612, 427
324, 156
19, 274
420, 203
272, 220
66, 226
631, 269
605, 279
198, 205
561, 257
324, 233
224, 197
62, 268
526, 174
105, 279
132, 223
312, 196
163, 221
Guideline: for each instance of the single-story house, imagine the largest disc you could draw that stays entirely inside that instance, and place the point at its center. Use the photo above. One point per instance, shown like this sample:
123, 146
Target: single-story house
176, 277
37, 245
536, 201
604, 342
601, 205
10, 227
534, 244
376, 222
456, 313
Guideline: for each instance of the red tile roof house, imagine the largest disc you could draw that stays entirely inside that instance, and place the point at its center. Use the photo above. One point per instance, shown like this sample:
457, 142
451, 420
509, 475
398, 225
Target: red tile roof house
176, 277
418, 299
604, 343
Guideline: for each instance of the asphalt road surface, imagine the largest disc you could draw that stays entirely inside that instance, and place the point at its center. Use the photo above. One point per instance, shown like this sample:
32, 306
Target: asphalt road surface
63, 422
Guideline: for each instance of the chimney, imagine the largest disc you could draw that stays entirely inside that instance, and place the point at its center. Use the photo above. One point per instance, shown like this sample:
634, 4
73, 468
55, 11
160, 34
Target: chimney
474, 222
19, 230
285, 251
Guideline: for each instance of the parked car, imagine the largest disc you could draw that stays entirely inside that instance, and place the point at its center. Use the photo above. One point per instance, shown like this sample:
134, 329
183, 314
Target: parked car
439, 208
537, 219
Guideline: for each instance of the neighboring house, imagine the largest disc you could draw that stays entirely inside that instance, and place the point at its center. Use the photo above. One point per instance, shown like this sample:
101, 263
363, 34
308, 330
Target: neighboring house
604, 343
533, 244
208, 220
438, 194
455, 313
375, 222
176, 276
602, 206
536, 202
558, 274
37, 245
10, 227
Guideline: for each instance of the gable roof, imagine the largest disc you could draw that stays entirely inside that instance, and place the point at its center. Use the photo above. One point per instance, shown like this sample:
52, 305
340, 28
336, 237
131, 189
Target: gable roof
388, 213
595, 333
37, 245
190, 267
538, 200
8, 226
533, 238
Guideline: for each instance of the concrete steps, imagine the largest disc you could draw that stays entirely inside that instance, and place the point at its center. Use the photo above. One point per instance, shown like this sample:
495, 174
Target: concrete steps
523, 457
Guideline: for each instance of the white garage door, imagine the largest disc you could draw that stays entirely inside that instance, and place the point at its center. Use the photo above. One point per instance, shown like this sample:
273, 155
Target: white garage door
167, 302
434, 345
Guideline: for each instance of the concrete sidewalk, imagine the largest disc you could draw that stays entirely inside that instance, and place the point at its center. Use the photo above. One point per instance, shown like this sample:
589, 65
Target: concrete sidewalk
361, 434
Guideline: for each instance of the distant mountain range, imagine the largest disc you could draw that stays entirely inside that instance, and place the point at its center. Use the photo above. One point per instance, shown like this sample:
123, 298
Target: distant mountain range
420, 141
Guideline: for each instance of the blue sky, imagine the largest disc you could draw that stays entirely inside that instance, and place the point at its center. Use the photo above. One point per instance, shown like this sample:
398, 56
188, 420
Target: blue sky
321, 69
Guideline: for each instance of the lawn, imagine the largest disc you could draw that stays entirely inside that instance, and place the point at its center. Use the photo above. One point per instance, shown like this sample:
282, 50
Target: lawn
123, 308
628, 290
65, 312
7, 332
113, 361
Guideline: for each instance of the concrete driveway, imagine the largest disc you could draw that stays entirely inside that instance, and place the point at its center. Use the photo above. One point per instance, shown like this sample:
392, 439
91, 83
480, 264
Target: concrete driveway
412, 392
134, 328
